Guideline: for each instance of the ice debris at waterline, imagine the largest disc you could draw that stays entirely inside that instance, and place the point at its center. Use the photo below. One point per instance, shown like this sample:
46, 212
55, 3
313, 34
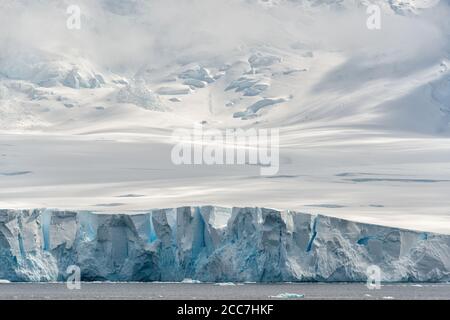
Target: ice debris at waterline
288, 296
213, 244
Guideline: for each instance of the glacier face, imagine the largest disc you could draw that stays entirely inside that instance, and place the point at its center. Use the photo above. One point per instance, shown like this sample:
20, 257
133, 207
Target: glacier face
213, 244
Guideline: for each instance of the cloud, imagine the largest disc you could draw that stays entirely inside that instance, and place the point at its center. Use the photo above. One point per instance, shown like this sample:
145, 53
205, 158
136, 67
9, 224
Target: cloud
126, 34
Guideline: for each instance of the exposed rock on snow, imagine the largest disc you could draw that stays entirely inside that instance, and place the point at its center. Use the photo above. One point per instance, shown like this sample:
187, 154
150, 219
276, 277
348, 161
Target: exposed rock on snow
200, 74
75, 80
195, 83
46, 70
139, 95
250, 86
174, 91
397, 6
441, 93
213, 244
261, 60
254, 108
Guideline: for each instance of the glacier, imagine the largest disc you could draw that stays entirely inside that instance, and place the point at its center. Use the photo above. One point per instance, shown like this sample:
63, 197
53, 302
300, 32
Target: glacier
213, 244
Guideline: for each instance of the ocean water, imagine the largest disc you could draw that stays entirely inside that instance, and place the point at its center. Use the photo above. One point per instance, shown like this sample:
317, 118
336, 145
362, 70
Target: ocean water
232, 291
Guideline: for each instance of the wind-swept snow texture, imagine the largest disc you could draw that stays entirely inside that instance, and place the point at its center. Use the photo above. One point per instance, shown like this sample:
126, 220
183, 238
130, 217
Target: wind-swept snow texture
87, 116
213, 244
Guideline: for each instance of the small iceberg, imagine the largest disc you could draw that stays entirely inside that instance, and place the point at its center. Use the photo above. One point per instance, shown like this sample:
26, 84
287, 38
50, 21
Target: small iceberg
189, 280
224, 284
288, 296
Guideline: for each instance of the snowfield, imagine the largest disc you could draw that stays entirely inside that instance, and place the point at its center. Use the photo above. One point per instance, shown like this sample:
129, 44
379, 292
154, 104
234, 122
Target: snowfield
86, 116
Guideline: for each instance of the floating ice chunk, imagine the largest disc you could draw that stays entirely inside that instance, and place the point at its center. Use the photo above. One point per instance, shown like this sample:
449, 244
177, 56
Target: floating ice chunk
225, 284
189, 280
288, 296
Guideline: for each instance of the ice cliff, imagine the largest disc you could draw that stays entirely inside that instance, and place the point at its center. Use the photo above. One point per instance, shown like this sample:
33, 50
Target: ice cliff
213, 244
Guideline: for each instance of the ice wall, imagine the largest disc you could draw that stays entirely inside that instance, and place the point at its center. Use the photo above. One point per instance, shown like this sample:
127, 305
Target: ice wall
213, 244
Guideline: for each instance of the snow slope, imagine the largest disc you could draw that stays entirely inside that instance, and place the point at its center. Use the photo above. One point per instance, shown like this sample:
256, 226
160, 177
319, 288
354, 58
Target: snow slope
86, 115
213, 244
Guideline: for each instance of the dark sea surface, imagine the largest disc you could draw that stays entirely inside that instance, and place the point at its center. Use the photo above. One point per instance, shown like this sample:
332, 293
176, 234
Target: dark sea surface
202, 291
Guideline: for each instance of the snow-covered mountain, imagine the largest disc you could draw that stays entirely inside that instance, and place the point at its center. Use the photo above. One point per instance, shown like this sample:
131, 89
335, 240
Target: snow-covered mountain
150, 55
86, 115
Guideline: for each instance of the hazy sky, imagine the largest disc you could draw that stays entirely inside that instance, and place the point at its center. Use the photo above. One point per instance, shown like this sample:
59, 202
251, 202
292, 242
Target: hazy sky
115, 33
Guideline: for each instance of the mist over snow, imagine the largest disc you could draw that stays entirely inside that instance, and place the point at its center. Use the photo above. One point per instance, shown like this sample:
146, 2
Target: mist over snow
127, 34
87, 116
